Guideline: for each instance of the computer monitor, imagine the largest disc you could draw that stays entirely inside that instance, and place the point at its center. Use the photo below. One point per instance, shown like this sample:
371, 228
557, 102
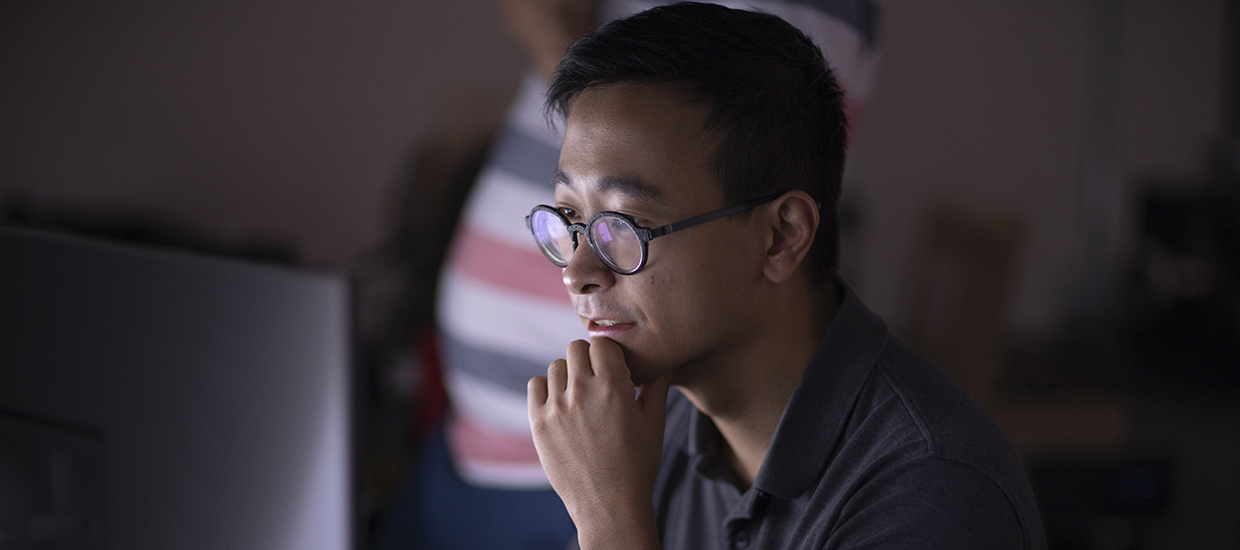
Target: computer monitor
153, 399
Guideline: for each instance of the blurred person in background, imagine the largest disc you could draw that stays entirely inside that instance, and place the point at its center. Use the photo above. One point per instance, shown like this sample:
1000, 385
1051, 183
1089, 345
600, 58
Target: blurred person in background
503, 312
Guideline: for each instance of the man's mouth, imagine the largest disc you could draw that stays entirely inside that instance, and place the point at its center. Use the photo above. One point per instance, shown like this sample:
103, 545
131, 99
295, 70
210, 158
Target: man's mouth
608, 327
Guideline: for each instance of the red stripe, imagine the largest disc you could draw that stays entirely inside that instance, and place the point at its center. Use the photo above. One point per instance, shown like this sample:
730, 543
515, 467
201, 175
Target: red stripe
472, 442
497, 263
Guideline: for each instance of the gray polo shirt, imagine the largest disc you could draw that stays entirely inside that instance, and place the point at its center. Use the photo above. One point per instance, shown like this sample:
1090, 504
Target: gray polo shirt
877, 448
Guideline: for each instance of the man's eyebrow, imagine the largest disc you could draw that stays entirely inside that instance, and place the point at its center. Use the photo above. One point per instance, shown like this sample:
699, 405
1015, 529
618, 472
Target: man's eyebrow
630, 186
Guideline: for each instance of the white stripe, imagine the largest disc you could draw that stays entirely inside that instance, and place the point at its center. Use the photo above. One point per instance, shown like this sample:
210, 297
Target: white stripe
506, 322
526, 113
499, 203
501, 475
488, 405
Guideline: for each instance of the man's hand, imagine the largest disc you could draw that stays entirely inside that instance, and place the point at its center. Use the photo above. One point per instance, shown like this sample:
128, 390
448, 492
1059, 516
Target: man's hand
600, 443
546, 28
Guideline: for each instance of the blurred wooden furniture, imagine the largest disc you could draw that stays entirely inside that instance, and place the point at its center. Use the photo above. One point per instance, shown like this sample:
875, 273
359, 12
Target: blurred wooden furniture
958, 294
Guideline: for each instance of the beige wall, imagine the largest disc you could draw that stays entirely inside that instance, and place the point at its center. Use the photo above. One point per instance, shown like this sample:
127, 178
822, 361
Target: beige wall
277, 117
295, 119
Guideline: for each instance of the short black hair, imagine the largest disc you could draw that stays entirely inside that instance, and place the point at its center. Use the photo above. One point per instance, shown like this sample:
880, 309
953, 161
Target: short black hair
773, 104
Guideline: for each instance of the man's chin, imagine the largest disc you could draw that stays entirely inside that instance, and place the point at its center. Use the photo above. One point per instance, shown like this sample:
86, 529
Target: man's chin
643, 371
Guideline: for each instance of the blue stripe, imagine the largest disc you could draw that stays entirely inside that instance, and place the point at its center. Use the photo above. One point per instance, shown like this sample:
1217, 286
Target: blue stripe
511, 373
524, 157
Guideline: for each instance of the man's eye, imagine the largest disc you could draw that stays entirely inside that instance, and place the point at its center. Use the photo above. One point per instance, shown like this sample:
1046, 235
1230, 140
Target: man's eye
569, 213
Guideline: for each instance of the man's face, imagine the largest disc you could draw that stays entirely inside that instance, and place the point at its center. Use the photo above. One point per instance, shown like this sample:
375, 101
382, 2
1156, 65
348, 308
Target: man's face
640, 150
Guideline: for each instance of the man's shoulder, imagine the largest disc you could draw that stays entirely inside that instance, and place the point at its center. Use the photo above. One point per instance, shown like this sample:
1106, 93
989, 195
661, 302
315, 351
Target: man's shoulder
914, 461
933, 408
929, 501
915, 432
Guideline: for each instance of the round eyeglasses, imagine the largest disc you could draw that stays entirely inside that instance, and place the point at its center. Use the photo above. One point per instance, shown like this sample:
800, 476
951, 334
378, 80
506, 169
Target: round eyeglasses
616, 238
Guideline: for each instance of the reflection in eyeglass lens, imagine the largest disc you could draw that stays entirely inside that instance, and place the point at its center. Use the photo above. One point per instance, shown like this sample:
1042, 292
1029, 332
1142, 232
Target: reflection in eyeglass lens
552, 236
603, 232
618, 243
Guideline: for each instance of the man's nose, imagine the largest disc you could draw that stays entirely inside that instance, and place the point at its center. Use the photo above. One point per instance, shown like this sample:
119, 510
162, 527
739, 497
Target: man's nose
585, 272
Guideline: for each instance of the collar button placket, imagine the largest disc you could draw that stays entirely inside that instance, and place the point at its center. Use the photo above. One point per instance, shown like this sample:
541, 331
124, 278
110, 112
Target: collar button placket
740, 538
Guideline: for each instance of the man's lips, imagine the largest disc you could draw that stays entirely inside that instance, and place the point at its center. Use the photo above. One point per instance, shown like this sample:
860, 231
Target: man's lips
604, 319
608, 327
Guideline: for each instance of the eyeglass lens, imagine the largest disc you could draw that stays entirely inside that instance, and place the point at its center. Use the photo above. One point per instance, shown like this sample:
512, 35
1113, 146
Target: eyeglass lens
615, 241
552, 236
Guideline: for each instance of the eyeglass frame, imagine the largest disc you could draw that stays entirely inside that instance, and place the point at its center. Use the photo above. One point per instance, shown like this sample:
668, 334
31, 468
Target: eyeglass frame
644, 234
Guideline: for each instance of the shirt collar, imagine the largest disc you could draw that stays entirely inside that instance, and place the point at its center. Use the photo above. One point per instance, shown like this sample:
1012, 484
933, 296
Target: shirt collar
813, 420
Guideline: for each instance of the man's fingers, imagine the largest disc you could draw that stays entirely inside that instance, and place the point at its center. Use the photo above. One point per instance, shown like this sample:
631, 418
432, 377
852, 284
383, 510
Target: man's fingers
579, 359
608, 360
535, 394
557, 377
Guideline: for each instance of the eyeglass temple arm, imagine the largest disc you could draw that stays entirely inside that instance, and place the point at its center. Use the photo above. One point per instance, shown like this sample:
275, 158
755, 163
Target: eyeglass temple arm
709, 216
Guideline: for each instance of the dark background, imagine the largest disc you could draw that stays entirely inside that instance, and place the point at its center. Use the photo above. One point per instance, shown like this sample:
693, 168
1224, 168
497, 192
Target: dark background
1099, 136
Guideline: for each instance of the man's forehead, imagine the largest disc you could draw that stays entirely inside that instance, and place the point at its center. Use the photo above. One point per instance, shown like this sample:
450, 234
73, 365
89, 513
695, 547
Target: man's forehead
639, 141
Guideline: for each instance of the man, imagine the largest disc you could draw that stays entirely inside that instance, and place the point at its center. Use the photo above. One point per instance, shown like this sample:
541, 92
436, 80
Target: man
503, 313
695, 224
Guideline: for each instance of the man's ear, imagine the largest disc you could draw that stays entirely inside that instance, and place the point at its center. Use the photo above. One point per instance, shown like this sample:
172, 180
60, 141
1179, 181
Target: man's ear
793, 221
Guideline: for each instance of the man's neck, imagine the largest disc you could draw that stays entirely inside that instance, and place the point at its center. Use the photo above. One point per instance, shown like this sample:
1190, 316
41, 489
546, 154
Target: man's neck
746, 395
